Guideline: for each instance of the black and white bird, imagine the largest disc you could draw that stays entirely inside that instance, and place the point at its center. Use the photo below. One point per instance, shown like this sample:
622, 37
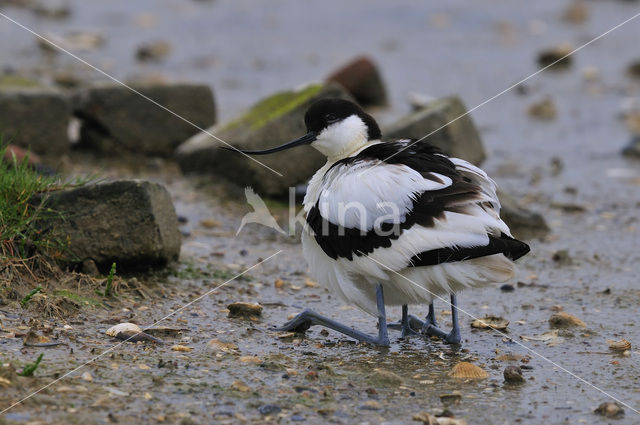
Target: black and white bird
395, 223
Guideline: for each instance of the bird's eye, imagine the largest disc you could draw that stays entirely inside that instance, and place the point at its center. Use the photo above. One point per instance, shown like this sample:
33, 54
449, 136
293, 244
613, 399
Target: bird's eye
331, 118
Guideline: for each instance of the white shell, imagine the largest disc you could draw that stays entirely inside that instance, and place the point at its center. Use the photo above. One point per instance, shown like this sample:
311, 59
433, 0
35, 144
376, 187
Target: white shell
123, 327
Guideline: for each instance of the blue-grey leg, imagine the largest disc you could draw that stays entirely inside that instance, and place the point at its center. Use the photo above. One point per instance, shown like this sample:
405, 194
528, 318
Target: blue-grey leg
431, 316
408, 324
430, 320
452, 337
308, 318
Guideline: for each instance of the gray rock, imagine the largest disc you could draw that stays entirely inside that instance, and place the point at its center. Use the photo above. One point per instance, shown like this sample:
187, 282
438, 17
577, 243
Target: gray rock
524, 224
272, 121
34, 117
130, 222
459, 138
119, 121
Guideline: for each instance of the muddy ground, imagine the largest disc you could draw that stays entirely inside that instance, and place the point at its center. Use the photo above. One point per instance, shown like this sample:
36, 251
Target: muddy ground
568, 168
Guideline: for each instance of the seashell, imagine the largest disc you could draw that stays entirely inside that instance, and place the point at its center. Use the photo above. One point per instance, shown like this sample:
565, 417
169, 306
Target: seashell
130, 332
130, 328
609, 409
244, 309
565, 320
622, 345
466, 370
490, 322
182, 348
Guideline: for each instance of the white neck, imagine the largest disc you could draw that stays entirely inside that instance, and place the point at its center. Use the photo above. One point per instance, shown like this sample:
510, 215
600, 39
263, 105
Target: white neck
342, 138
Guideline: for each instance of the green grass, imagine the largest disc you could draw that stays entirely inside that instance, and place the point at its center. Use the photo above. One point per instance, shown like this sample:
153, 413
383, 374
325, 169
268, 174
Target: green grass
109, 291
29, 368
27, 297
65, 293
19, 215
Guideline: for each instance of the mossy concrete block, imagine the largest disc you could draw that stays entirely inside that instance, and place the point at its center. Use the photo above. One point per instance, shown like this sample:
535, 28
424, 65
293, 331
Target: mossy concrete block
459, 138
130, 222
272, 121
116, 120
34, 117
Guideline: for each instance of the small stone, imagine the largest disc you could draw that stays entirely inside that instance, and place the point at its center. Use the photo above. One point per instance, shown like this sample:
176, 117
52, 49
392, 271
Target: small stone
590, 73
279, 283
610, 409
153, 52
90, 268
269, 409
565, 320
513, 375
87, 377
562, 257
426, 418
381, 377
209, 223
557, 55
448, 399
576, 13
543, 110
225, 347
632, 150
240, 386
507, 287
181, 348
370, 405
244, 309
634, 69
362, 80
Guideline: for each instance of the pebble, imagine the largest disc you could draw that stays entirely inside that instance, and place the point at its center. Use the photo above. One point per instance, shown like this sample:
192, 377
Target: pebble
634, 69
609, 409
87, 377
153, 51
268, 409
453, 398
507, 288
565, 320
240, 386
209, 223
548, 56
381, 377
181, 348
544, 109
632, 150
244, 309
562, 257
370, 405
513, 375
576, 13
225, 347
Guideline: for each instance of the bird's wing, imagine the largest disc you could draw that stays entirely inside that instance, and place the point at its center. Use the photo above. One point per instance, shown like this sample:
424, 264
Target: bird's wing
367, 203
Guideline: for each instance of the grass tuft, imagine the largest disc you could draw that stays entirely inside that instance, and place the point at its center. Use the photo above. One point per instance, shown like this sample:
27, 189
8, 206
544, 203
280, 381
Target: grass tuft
30, 368
19, 215
27, 297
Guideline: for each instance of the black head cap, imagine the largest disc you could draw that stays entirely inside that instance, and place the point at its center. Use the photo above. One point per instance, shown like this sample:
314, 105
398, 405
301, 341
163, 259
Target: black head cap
325, 112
